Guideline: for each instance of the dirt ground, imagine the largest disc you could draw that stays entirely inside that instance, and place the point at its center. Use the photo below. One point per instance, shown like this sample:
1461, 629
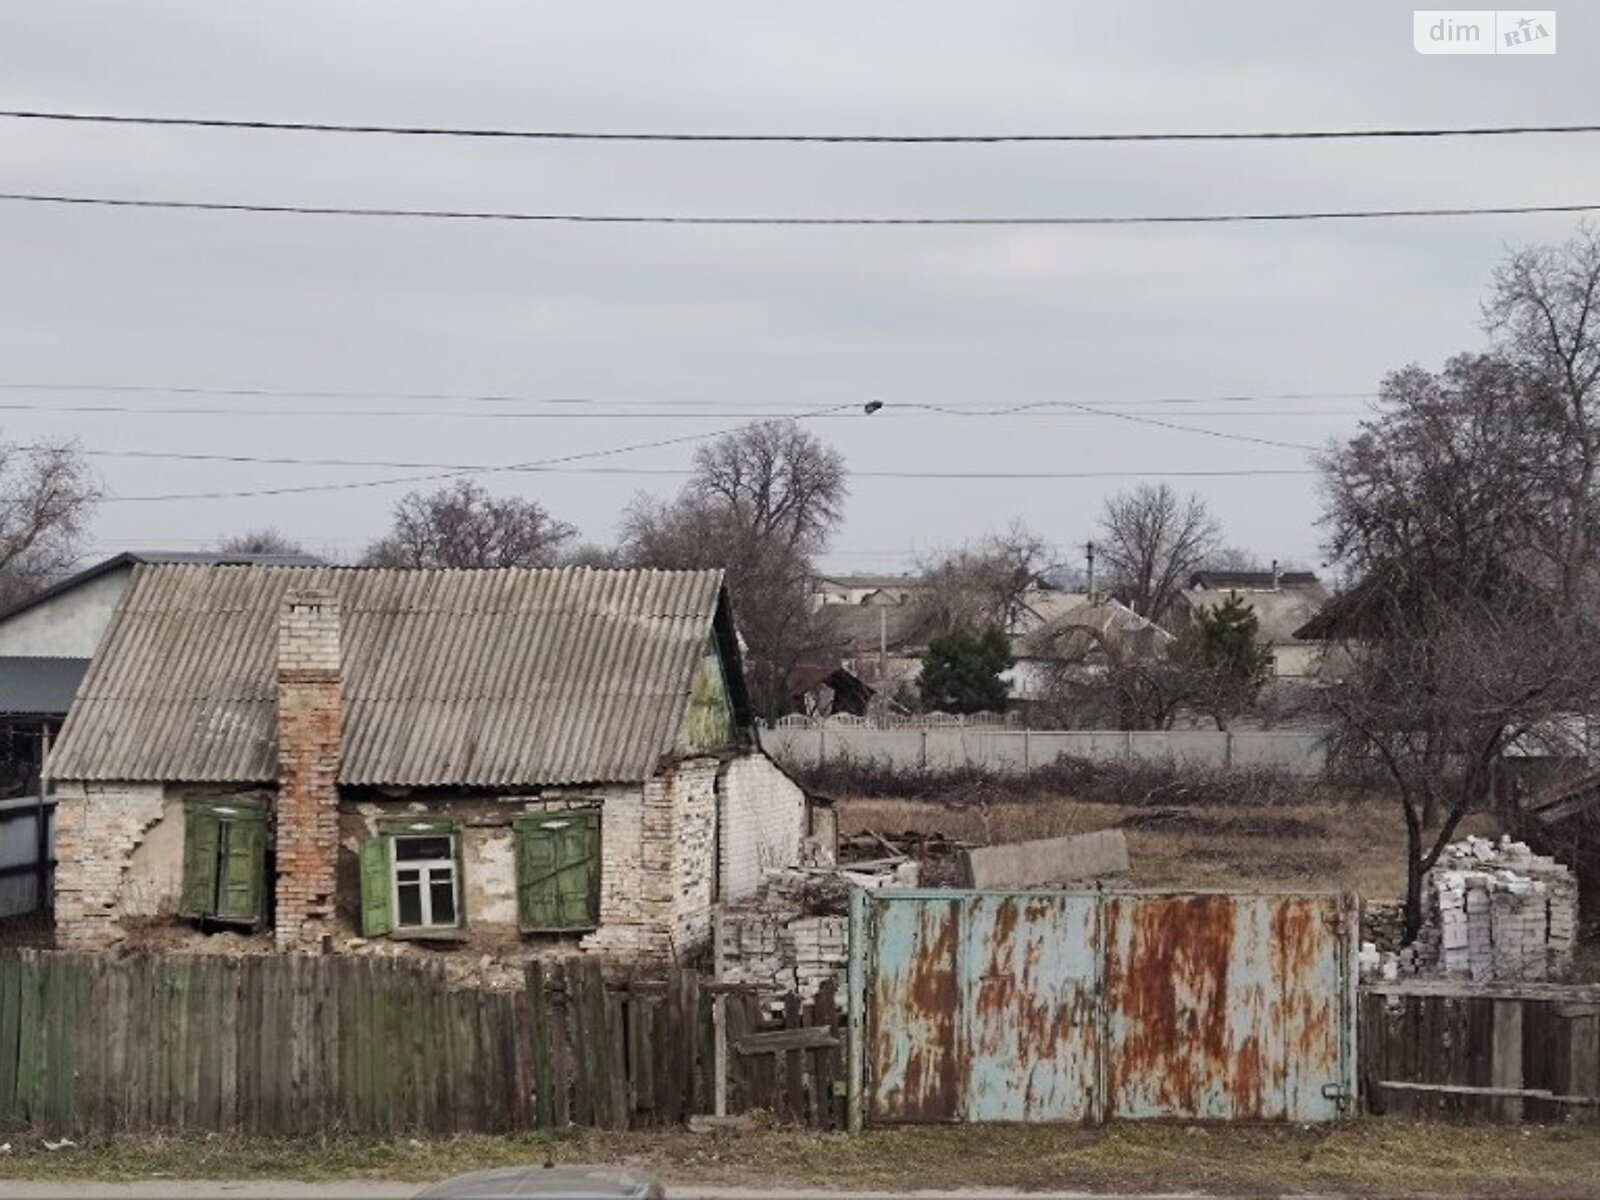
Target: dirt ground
1365, 1157
1357, 845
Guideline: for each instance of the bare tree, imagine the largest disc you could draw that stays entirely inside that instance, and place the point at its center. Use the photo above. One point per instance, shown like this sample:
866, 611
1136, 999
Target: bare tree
46, 496
777, 480
1544, 314
1461, 635
982, 585
763, 501
1153, 540
464, 526
1443, 683
266, 540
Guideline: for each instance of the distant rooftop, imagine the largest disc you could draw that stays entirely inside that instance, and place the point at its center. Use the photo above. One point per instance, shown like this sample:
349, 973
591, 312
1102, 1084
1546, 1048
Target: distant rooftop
133, 558
1254, 580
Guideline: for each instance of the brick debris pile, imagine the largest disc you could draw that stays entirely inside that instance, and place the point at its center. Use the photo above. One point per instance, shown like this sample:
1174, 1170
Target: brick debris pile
1490, 912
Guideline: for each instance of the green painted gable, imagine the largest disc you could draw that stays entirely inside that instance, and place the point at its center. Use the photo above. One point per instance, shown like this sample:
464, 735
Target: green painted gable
708, 723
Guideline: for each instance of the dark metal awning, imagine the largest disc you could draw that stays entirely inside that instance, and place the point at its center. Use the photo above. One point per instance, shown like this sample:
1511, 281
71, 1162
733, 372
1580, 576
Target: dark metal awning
39, 686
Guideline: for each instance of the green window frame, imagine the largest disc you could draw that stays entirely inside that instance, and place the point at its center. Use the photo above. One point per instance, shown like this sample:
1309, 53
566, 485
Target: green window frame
558, 870
224, 862
409, 887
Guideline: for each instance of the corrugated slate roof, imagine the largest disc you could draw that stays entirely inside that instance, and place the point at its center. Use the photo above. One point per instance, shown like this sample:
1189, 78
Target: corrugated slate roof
476, 678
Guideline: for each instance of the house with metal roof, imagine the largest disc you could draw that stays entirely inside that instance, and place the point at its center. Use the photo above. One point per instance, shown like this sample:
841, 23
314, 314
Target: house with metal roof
528, 760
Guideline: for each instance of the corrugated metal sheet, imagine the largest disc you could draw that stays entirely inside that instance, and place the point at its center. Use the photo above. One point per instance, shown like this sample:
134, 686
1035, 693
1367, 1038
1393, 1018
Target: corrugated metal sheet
1068, 1006
39, 686
479, 678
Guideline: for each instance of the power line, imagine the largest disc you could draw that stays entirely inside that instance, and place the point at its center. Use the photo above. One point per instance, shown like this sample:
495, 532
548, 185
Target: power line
458, 473
447, 214
553, 135
1047, 409
941, 476
673, 472
513, 398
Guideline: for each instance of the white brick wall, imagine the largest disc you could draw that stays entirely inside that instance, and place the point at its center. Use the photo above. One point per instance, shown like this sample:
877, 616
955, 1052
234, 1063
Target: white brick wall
693, 796
98, 829
763, 815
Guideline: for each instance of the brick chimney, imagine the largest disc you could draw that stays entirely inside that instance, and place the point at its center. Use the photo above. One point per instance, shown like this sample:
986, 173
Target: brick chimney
310, 731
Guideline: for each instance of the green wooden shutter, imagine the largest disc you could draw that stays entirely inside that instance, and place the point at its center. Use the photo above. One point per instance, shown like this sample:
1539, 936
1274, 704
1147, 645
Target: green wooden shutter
200, 835
558, 870
375, 918
243, 869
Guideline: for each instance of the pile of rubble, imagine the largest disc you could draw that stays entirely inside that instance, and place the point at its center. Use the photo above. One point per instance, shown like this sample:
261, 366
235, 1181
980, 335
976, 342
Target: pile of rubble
1490, 912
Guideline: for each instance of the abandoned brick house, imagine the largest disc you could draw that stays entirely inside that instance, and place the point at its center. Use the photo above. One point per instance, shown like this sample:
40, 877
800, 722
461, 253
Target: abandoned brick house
547, 759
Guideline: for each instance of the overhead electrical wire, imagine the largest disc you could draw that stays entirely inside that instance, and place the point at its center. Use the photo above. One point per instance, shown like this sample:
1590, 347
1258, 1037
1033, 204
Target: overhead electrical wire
1049, 409
413, 465
940, 476
556, 218
458, 473
569, 135
963, 409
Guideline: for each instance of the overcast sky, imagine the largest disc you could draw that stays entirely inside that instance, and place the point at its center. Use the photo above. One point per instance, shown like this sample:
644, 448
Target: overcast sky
748, 320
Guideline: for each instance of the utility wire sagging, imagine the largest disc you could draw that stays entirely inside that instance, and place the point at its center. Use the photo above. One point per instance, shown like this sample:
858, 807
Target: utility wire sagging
960, 139
457, 214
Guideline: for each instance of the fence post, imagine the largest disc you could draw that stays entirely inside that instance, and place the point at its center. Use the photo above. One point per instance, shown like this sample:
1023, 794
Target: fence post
719, 1023
855, 1030
1506, 1065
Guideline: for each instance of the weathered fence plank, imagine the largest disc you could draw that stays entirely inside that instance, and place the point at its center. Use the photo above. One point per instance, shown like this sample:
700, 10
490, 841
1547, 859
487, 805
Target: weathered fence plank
295, 1044
1479, 1054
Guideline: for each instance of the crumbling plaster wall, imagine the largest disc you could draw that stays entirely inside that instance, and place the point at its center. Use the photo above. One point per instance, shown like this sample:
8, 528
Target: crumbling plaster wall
119, 850
488, 852
100, 828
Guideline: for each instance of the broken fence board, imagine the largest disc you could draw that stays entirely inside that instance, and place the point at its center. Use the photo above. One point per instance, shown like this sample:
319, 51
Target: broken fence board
778, 1041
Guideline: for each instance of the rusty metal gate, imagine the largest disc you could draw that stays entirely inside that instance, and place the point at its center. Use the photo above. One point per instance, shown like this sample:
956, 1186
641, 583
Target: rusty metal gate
1084, 1006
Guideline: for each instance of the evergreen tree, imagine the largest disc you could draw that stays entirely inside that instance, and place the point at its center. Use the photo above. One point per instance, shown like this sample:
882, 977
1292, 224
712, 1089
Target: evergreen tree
961, 672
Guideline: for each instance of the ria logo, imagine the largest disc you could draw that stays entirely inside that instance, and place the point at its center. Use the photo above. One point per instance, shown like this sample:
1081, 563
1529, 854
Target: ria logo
1483, 31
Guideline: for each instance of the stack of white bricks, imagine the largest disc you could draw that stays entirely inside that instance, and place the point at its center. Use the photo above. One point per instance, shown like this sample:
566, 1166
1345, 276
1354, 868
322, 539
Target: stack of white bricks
786, 952
1495, 912
793, 933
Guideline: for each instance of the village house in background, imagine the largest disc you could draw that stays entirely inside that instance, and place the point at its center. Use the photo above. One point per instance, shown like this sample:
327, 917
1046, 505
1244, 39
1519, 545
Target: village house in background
528, 760
1075, 638
1283, 602
873, 628
46, 642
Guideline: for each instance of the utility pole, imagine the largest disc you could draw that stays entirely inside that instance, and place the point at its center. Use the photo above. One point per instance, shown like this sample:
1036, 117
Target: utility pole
1089, 551
883, 644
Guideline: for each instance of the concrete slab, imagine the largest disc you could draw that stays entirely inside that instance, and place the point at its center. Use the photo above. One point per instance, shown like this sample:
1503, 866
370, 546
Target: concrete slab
1073, 859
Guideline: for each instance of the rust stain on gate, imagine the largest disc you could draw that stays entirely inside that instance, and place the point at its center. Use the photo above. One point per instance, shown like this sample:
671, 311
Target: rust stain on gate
1059, 1006
1170, 987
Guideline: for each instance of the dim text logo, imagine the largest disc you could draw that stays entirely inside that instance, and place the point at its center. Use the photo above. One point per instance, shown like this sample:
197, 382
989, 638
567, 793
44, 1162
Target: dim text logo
1483, 31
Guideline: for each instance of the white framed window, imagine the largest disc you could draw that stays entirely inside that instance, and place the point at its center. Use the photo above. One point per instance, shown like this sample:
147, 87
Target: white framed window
426, 887
411, 880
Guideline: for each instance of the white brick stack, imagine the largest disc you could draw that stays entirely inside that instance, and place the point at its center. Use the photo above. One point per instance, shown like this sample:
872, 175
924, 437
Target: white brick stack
1495, 912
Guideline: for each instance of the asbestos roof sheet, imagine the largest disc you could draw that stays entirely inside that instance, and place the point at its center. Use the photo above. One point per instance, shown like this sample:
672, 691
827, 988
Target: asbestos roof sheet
450, 678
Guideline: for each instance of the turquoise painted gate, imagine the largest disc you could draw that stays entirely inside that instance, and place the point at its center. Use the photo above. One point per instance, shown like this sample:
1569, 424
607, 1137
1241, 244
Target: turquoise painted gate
1081, 1006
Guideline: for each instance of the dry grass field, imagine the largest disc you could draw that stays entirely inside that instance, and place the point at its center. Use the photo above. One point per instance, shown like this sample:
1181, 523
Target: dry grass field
1357, 845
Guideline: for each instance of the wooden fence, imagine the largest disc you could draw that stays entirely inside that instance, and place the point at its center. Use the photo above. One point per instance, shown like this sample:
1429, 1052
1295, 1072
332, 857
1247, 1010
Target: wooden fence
299, 1044
1498, 1053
